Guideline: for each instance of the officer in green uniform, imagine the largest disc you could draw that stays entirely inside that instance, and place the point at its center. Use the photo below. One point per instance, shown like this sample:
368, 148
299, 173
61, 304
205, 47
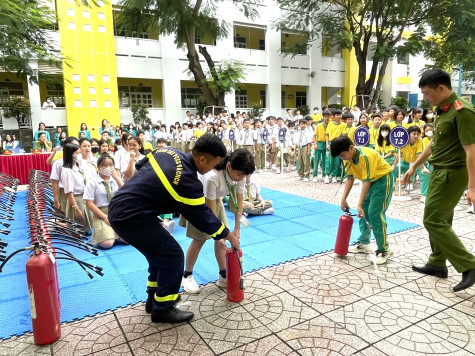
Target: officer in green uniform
452, 154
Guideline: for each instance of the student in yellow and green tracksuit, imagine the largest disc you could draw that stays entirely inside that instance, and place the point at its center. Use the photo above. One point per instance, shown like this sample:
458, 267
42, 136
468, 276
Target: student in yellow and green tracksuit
349, 130
367, 165
320, 145
409, 155
374, 130
452, 154
384, 147
335, 129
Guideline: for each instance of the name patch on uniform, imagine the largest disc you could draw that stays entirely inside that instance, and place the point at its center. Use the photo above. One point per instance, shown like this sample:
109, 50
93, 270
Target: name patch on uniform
179, 165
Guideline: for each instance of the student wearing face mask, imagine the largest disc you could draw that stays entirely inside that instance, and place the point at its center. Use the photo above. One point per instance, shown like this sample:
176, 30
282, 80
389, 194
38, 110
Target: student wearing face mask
74, 182
97, 194
428, 116
383, 146
95, 147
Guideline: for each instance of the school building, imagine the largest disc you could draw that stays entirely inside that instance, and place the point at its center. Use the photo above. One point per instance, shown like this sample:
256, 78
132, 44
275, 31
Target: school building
104, 72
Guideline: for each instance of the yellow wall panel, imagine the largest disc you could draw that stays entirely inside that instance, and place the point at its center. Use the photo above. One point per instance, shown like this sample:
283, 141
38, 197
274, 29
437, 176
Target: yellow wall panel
91, 53
404, 80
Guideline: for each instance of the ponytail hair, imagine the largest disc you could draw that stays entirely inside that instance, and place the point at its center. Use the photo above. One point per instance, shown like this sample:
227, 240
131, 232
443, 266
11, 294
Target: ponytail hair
241, 160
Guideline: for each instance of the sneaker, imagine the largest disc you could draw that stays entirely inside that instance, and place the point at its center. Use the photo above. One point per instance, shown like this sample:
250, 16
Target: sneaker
189, 285
221, 282
334, 180
299, 178
382, 257
410, 187
306, 180
470, 209
360, 248
260, 171
314, 179
273, 166
277, 171
326, 180
423, 199
169, 226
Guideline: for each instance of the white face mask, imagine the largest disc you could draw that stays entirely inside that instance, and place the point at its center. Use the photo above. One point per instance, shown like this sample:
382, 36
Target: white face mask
105, 172
384, 133
315, 111
430, 116
429, 133
77, 157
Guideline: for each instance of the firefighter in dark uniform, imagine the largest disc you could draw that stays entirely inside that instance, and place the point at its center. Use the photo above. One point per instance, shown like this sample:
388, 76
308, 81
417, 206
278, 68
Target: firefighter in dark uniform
452, 154
167, 182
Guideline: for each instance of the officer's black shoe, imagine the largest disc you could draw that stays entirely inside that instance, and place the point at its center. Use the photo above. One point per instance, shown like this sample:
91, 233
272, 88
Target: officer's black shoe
468, 280
438, 271
149, 303
172, 315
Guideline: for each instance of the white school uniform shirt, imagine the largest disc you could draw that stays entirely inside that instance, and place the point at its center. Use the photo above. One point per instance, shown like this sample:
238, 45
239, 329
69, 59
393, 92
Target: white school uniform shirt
255, 188
148, 135
117, 158
73, 180
95, 190
214, 185
89, 168
226, 134
273, 134
179, 137
56, 172
124, 161
304, 138
258, 136
288, 141
247, 139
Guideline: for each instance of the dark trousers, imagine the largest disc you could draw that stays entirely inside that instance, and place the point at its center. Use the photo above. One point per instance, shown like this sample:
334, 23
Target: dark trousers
163, 253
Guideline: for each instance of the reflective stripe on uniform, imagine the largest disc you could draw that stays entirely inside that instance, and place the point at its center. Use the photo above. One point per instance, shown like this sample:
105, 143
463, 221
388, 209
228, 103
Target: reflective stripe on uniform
219, 231
168, 298
169, 188
152, 284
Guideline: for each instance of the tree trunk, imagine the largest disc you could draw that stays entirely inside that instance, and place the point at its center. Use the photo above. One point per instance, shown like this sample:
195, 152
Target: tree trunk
362, 85
379, 84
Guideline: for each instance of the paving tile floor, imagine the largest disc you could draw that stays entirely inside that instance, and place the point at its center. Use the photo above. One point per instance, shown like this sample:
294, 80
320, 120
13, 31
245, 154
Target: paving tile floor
319, 305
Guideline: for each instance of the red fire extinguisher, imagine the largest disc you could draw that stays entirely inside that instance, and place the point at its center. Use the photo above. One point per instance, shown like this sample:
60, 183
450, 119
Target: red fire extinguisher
234, 273
343, 234
41, 275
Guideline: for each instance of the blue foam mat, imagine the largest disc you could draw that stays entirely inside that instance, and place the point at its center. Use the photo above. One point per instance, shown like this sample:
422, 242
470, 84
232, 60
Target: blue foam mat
300, 227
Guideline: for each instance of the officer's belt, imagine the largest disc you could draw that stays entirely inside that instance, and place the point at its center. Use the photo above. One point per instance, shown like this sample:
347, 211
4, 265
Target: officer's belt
447, 167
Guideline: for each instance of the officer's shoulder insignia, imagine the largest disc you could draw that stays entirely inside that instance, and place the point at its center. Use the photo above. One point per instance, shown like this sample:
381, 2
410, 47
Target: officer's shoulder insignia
446, 107
458, 105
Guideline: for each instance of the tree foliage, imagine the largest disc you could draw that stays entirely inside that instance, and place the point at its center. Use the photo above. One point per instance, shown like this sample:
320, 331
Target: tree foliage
140, 115
186, 20
374, 29
24, 35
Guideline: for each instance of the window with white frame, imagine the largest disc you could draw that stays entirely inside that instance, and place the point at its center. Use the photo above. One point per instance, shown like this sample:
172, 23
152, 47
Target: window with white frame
190, 97
241, 99
131, 95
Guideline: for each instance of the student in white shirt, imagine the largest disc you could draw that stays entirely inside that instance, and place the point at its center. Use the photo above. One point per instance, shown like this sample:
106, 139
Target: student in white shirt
226, 178
60, 200
88, 161
253, 203
74, 182
304, 145
98, 193
135, 155
124, 150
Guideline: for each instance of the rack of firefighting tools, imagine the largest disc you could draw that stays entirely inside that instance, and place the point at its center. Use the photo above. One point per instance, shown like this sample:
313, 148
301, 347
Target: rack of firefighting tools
49, 227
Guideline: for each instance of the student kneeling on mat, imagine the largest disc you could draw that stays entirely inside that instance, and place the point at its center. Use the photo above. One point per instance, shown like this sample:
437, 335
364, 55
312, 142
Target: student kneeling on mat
367, 165
166, 182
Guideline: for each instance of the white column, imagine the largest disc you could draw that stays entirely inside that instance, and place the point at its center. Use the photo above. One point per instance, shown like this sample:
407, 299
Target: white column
274, 72
171, 81
35, 100
230, 102
315, 85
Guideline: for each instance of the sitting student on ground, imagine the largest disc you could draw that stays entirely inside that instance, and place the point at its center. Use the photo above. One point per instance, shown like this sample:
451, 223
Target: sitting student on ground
367, 165
253, 203
217, 184
98, 193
